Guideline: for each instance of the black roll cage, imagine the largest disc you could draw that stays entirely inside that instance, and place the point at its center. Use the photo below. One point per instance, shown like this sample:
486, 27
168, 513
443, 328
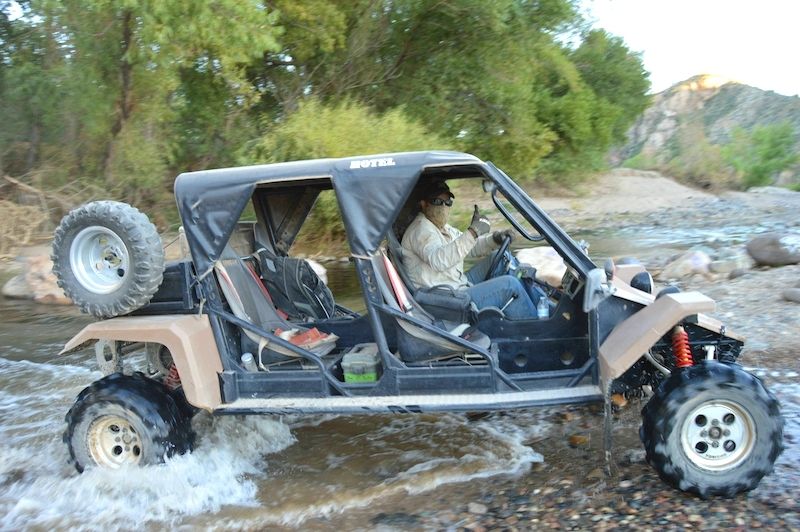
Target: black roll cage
281, 237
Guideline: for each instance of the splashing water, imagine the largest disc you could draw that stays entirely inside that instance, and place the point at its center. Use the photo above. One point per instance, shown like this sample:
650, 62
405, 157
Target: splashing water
244, 472
39, 489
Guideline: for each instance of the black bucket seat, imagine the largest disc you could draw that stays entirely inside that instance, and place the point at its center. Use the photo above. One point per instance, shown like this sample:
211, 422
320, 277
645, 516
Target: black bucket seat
414, 343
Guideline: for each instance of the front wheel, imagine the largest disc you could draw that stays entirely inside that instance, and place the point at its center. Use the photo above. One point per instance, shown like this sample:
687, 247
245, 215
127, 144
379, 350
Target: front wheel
712, 430
125, 420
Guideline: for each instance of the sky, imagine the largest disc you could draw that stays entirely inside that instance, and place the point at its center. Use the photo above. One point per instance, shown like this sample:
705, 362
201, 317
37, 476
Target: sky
756, 42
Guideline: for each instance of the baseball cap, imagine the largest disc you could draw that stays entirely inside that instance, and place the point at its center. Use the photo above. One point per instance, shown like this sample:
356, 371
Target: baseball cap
434, 189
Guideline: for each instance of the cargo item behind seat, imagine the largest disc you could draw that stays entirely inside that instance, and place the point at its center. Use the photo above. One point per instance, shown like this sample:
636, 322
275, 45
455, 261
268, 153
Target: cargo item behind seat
295, 287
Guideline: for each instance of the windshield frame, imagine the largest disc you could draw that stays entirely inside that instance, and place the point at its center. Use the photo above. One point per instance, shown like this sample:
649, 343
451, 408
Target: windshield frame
575, 256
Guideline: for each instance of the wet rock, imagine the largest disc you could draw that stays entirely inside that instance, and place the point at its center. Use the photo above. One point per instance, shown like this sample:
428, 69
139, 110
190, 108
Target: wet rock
633, 456
729, 261
735, 274
775, 249
17, 288
477, 508
792, 294
690, 263
36, 282
619, 400
578, 440
395, 519
595, 474
567, 416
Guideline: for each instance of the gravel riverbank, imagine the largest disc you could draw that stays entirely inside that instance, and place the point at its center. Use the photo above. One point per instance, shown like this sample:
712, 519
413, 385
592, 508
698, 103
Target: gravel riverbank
573, 489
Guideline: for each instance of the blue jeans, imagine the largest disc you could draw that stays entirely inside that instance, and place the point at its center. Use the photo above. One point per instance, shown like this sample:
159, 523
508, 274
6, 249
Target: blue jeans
497, 291
500, 288
504, 291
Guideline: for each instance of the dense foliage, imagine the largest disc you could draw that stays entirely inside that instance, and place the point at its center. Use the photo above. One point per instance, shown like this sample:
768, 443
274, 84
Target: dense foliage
760, 154
749, 158
119, 96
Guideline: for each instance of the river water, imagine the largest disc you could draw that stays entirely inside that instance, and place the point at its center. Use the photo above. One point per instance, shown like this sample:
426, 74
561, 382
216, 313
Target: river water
259, 472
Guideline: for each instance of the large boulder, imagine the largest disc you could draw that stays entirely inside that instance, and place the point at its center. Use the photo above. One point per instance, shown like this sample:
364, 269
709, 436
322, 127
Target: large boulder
690, 263
550, 267
775, 249
730, 260
17, 288
36, 282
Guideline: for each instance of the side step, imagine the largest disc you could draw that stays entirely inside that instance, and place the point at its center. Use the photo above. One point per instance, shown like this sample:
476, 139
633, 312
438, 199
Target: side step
413, 403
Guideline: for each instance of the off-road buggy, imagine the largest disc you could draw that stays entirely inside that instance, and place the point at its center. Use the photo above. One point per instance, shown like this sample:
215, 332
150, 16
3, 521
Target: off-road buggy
240, 328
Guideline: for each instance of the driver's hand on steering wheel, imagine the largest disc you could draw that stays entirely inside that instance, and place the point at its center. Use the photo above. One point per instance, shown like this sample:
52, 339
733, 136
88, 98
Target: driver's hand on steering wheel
499, 236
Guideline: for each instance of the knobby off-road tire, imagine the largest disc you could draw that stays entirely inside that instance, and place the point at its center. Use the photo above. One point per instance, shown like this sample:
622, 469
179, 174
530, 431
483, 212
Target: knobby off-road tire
712, 430
108, 258
127, 420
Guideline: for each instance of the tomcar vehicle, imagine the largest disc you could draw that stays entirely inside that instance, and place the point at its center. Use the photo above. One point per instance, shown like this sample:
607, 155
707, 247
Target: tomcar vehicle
243, 328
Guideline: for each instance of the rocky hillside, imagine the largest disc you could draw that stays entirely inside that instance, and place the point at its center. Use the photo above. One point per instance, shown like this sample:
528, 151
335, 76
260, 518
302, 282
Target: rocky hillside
706, 107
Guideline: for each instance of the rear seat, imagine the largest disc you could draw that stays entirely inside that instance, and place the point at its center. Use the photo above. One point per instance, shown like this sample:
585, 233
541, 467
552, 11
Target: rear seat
415, 344
250, 301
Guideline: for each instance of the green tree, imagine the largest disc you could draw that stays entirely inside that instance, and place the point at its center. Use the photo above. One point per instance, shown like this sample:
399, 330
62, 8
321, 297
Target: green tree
616, 76
491, 76
697, 160
762, 153
123, 94
112, 78
594, 94
316, 130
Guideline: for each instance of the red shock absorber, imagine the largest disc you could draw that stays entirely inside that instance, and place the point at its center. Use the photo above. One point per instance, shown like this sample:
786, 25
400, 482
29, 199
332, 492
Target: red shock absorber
680, 348
172, 380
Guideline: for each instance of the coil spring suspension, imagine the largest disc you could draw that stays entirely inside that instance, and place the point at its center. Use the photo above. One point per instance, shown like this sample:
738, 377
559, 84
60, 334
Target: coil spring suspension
172, 380
680, 348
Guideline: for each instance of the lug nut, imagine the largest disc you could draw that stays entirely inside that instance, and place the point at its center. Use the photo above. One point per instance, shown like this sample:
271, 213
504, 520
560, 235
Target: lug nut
714, 444
726, 432
715, 422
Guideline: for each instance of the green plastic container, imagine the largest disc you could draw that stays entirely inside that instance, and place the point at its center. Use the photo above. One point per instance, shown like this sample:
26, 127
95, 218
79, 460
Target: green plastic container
361, 364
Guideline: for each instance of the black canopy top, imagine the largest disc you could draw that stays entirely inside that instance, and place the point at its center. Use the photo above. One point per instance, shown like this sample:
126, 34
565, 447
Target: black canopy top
370, 190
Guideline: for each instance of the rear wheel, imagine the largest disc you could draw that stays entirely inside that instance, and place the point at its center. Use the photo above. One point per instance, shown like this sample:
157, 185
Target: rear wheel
712, 430
126, 420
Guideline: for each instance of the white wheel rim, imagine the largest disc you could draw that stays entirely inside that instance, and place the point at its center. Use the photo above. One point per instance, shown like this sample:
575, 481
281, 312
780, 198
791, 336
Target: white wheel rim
99, 259
718, 435
113, 442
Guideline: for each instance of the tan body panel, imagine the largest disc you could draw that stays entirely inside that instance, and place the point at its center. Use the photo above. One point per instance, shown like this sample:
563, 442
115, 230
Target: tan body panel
189, 339
626, 272
633, 337
707, 322
626, 291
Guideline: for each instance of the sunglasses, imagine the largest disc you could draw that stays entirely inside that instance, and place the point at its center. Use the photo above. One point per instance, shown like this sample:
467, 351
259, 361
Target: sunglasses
439, 201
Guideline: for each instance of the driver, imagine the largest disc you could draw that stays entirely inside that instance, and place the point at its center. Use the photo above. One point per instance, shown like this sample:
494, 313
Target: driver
435, 253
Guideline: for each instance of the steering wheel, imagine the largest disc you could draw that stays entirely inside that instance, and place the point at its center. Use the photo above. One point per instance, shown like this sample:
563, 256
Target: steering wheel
501, 253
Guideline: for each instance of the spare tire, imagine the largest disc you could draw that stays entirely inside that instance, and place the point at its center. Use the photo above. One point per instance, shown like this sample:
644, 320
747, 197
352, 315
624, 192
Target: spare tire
108, 258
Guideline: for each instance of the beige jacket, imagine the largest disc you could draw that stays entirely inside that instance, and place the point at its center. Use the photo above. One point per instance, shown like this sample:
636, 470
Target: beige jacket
433, 256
